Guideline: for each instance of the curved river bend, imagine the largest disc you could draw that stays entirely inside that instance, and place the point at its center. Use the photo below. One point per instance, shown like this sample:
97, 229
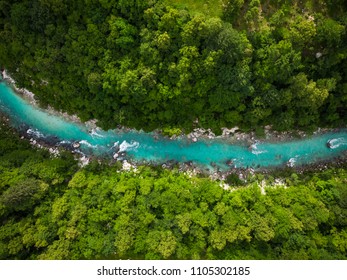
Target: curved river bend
140, 146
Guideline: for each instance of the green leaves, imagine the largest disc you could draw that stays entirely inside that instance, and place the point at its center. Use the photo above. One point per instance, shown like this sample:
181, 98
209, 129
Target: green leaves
277, 62
153, 66
163, 242
330, 32
22, 195
162, 214
122, 34
167, 66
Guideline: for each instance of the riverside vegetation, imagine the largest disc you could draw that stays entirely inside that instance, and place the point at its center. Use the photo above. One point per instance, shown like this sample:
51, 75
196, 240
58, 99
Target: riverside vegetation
51, 209
146, 64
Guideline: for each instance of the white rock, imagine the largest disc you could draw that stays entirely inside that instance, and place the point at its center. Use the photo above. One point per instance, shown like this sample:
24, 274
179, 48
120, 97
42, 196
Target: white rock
83, 161
126, 166
76, 145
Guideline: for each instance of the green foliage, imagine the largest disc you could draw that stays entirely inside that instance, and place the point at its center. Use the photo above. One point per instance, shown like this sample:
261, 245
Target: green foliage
172, 131
277, 62
22, 195
99, 212
330, 32
234, 180
211, 8
149, 66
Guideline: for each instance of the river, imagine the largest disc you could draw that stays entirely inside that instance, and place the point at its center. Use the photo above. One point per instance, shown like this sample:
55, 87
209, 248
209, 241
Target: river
147, 147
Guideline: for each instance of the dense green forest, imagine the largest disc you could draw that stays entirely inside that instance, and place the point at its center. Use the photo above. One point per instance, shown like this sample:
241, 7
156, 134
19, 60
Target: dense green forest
163, 64
154, 64
51, 209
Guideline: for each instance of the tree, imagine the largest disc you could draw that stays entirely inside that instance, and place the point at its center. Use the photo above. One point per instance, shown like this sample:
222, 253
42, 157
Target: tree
277, 62
330, 32
22, 195
308, 97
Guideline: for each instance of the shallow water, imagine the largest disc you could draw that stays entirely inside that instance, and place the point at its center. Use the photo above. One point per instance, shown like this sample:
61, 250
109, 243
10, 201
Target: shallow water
140, 146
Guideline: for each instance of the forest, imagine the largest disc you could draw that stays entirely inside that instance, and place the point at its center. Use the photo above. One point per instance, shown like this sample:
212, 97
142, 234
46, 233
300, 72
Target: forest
173, 65
52, 209
150, 64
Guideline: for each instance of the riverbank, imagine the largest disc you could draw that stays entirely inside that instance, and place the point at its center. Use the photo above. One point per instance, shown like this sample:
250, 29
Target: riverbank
233, 135
28, 95
216, 158
236, 136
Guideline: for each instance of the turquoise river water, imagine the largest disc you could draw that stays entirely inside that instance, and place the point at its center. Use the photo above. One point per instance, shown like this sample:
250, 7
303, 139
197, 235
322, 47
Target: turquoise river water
145, 147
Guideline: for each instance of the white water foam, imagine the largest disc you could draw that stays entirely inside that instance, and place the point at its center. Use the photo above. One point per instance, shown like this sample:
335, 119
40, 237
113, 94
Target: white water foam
65, 142
292, 161
94, 133
335, 143
125, 146
35, 133
115, 144
86, 143
255, 151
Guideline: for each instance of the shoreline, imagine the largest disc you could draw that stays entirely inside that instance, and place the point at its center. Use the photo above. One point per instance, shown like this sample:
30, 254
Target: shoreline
232, 135
229, 135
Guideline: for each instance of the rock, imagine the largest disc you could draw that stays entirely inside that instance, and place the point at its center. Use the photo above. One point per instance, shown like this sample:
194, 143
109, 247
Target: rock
126, 166
83, 161
170, 163
76, 145
318, 54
